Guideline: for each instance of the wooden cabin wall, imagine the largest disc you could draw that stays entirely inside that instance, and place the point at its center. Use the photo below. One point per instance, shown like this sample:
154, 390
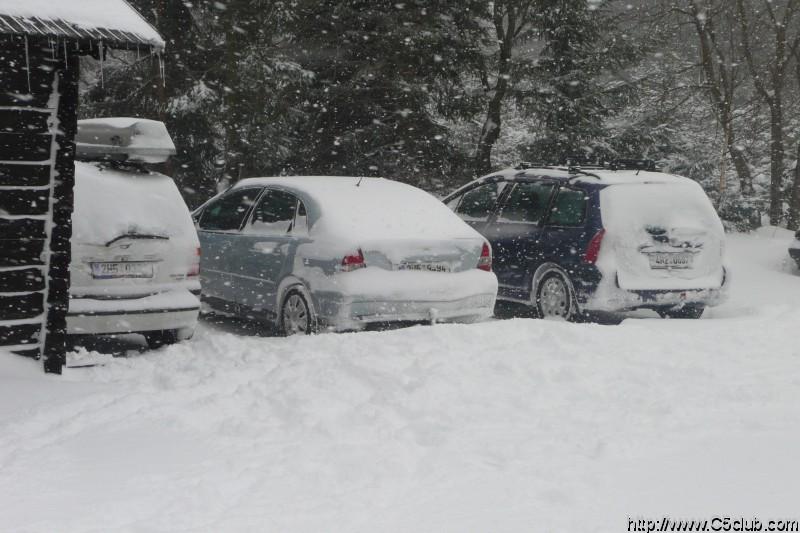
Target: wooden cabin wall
38, 121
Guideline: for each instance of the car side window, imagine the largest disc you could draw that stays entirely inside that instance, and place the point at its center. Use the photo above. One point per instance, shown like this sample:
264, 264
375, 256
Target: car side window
229, 211
300, 219
274, 214
453, 202
569, 208
527, 203
477, 204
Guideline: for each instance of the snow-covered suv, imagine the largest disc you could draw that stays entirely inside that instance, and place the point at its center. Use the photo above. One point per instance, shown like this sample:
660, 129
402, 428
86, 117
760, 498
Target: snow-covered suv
567, 241
135, 253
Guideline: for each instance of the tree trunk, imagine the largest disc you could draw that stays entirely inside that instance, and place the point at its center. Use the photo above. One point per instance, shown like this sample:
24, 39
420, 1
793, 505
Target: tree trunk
505, 25
491, 129
739, 161
721, 88
776, 154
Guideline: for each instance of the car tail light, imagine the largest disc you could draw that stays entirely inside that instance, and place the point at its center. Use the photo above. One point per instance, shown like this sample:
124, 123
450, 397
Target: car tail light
485, 261
593, 248
194, 269
353, 262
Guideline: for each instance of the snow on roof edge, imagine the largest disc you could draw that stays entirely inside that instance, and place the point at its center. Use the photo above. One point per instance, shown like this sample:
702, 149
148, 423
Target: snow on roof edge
113, 21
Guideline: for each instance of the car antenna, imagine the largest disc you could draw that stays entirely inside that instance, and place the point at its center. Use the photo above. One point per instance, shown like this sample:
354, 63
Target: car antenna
359, 181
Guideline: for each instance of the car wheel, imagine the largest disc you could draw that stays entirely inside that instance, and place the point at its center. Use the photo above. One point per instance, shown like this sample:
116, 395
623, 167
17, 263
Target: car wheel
296, 316
157, 339
687, 311
554, 297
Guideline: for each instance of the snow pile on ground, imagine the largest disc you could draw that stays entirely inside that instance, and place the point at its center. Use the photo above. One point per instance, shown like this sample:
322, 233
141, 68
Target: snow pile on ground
517, 425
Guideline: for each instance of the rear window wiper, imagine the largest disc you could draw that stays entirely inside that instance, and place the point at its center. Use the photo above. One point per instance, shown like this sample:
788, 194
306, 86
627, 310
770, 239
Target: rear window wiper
580, 174
137, 236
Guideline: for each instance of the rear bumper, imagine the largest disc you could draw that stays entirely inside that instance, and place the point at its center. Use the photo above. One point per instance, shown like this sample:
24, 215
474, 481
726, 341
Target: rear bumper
614, 298
358, 299
631, 300
477, 307
341, 314
177, 309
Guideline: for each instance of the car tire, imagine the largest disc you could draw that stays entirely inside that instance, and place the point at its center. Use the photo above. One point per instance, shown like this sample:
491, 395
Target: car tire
297, 317
555, 298
687, 311
157, 339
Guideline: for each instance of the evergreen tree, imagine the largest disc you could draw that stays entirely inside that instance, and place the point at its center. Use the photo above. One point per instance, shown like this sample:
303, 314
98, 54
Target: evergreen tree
224, 96
382, 70
569, 97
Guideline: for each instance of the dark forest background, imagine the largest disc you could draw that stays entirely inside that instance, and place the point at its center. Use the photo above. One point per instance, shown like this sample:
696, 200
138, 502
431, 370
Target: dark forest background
437, 92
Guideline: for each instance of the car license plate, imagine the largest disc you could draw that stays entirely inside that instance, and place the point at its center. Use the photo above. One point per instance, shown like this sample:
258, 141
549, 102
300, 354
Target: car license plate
427, 267
671, 260
124, 269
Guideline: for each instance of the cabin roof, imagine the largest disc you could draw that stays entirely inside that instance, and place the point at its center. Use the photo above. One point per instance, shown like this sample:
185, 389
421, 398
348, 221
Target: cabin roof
114, 22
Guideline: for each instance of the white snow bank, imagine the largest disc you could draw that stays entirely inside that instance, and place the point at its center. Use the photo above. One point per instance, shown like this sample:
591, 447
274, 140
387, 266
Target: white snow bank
763, 276
519, 425
108, 14
110, 203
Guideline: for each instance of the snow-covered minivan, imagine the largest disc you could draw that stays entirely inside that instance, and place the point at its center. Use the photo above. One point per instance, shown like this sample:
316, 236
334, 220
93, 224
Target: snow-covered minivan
135, 253
568, 241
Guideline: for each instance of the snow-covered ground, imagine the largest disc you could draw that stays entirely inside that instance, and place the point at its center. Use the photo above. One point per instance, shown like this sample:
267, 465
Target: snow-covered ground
513, 425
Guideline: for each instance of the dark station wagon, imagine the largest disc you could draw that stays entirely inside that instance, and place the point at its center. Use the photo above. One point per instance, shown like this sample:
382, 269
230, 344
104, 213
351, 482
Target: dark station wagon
568, 241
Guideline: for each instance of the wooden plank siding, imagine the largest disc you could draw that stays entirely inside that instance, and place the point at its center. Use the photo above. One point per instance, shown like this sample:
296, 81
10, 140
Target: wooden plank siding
22, 279
22, 174
39, 67
64, 199
38, 122
25, 335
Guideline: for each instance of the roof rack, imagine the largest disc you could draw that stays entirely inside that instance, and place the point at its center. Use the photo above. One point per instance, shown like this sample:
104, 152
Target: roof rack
633, 164
123, 139
581, 160
577, 163
522, 165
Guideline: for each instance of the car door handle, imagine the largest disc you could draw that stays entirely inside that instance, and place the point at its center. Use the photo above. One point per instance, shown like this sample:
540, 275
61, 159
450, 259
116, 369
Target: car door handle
266, 248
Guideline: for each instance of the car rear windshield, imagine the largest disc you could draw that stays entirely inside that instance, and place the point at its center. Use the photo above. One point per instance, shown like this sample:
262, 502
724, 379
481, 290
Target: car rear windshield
381, 209
111, 203
625, 207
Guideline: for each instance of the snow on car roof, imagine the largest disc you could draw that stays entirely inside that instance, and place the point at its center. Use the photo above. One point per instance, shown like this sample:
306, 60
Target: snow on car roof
605, 176
616, 177
589, 175
116, 18
375, 209
137, 139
